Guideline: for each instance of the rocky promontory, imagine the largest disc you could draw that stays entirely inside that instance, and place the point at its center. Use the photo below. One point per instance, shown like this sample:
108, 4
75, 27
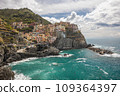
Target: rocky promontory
71, 40
100, 51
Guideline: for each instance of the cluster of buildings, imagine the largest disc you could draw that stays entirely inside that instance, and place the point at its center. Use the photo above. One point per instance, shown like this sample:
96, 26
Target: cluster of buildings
19, 25
45, 33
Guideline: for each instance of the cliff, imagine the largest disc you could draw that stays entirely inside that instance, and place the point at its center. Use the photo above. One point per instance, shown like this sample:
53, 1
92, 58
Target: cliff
9, 54
71, 40
5, 71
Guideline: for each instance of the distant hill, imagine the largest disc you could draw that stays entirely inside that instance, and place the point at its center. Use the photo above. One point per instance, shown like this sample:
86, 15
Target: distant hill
24, 15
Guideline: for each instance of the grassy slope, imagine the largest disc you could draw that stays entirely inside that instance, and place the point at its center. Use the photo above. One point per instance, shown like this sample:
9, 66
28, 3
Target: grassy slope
25, 15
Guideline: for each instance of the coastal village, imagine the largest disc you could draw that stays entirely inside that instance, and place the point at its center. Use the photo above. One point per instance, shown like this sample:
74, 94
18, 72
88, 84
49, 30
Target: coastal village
44, 33
24, 34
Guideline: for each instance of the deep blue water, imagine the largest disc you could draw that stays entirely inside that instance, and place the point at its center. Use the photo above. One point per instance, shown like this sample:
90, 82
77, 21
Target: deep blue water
81, 64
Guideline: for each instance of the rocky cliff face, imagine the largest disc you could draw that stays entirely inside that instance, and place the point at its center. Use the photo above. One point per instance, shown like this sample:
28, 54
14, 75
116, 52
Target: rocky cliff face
6, 73
72, 40
9, 54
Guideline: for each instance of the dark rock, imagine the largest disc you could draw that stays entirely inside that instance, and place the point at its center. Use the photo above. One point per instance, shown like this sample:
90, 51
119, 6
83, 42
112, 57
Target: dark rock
71, 41
79, 43
27, 55
31, 49
6, 73
8, 56
52, 51
1, 54
66, 54
63, 43
49, 51
100, 51
90, 45
45, 52
41, 47
68, 43
11, 57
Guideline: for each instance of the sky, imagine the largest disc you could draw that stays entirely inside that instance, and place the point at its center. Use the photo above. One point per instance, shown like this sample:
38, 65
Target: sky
95, 18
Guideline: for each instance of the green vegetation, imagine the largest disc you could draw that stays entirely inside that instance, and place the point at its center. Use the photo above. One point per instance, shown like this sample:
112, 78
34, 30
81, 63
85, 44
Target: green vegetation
4, 26
7, 33
24, 15
1, 41
27, 30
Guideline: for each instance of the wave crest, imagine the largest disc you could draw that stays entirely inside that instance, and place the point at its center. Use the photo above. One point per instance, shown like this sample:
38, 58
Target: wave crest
21, 76
116, 55
111, 48
24, 60
61, 55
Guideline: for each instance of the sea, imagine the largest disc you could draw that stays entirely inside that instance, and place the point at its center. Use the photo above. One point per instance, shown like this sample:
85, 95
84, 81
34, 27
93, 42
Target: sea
80, 64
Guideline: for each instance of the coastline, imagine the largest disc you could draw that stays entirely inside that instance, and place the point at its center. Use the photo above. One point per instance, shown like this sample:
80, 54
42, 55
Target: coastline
36, 52
81, 61
12, 56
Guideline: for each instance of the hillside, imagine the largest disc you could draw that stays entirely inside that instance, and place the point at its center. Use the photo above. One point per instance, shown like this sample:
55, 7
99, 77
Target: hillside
24, 15
8, 35
4, 26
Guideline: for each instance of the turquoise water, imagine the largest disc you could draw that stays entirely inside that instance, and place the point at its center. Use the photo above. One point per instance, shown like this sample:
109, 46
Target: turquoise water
81, 64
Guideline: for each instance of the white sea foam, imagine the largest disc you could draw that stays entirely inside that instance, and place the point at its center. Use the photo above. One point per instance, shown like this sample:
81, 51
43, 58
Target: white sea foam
36, 72
104, 71
50, 65
111, 48
97, 46
61, 55
24, 60
116, 55
104, 47
87, 65
55, 64
63, 69
21, 76
81, 59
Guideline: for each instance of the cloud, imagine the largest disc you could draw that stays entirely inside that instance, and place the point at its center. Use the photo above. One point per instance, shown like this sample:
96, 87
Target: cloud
109, 25
43, 7
103, 21
52, 20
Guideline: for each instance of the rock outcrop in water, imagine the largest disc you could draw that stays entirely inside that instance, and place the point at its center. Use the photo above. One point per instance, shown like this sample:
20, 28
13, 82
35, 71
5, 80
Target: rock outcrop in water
72, 40
100, 51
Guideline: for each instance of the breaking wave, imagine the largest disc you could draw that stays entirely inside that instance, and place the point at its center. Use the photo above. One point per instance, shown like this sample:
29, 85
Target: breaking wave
108, 48
61, 55
111, 48
24, 60
21, 76
112, 55
80, 60
102, 70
